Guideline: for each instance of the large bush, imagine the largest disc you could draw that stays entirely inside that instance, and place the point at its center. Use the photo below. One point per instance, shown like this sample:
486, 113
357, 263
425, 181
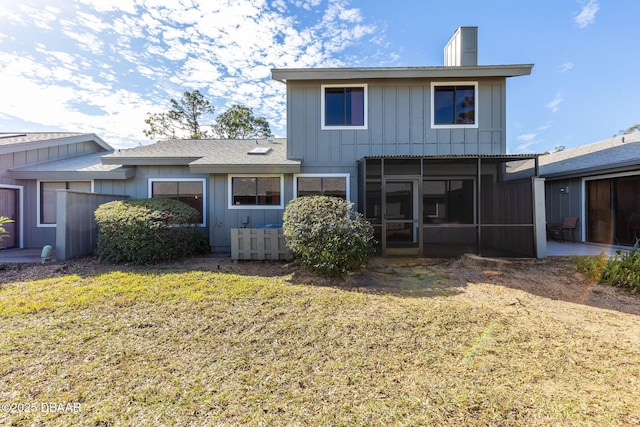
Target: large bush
148, 231
327, 235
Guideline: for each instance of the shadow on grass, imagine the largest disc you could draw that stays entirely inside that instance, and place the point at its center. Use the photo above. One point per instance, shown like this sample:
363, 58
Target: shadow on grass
554, 278
399, 277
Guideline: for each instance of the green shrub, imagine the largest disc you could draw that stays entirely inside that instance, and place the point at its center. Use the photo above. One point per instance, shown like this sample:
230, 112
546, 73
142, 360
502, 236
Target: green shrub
148, 231
591, 266
623, 269
3, 233
327, 235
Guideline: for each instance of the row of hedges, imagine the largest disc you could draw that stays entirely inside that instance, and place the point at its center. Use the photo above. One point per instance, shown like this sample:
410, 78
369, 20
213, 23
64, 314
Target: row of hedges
324, 233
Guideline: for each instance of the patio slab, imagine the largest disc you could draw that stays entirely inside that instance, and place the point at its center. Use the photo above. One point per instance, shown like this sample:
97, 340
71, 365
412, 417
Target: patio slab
20, 256
582, 249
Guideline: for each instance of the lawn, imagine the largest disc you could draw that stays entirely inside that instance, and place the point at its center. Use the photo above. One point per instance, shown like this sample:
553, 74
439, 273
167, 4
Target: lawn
183, 347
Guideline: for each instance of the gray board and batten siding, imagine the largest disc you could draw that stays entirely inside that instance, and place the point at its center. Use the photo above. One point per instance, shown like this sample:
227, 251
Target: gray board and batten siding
399, 114
19, 152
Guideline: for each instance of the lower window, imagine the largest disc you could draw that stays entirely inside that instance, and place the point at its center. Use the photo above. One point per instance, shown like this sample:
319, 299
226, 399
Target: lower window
190, 192
256, 191
48, 197
322, 185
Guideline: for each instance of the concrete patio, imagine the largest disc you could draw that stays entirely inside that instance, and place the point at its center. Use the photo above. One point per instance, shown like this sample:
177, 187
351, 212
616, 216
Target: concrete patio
554, 248
20, 256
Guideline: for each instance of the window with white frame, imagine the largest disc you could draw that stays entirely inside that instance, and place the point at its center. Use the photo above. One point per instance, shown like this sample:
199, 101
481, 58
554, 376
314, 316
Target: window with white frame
47, 198
256, 191
336, 185
454, 104
344, 106
187, 190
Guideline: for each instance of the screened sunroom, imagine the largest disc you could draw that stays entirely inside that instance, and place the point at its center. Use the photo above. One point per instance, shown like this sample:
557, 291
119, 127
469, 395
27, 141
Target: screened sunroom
449, 205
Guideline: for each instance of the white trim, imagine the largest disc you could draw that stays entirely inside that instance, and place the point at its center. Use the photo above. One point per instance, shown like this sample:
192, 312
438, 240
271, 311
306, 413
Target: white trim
230, 177
150, 182
346, 176
365, 107
20, 189
38, 182
476, 109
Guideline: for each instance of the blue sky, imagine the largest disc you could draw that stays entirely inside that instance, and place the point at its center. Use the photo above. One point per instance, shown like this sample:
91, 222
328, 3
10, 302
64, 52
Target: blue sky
101, 65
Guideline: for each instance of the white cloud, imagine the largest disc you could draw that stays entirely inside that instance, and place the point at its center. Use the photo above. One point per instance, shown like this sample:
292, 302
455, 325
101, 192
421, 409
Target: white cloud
587, 15
566, 67
554, 104
124, 59
545, 126
527, 137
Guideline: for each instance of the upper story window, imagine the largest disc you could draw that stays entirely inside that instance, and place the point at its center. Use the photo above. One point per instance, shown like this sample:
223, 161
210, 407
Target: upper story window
185, 190
344, 107
256, 192
454, 104
47, 198
335, 185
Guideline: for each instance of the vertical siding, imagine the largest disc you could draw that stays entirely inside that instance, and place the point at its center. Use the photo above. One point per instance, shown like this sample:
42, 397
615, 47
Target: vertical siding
399, 123
562, 204
223, 219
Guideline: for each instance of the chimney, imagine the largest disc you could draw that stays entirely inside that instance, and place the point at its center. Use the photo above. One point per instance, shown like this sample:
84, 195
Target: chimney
462, 49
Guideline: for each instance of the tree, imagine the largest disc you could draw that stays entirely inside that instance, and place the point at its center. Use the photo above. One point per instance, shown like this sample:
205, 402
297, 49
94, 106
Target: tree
632, 129
238, 122
183, 120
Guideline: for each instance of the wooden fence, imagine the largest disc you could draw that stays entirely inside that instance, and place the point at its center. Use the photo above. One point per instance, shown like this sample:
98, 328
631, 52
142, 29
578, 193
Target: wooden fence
258, 244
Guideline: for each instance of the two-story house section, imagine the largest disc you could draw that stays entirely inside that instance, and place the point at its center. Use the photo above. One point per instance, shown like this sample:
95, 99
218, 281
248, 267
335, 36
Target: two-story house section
421, 151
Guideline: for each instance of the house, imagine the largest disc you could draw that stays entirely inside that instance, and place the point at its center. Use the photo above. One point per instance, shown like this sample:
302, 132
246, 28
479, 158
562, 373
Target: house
33, 166
420, 151
600, 184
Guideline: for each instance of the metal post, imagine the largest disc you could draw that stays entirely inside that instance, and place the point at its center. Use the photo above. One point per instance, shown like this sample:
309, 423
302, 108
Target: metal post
478, 206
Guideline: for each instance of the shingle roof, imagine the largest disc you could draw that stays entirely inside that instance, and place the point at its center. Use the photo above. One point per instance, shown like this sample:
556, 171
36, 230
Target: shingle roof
617, 152
85, 166
210, 155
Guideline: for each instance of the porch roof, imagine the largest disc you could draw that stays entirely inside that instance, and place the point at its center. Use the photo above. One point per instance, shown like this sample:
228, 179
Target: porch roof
617, 154
509, 157
87, 166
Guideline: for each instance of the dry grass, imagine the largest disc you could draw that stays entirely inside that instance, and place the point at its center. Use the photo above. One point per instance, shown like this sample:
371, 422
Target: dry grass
214, 348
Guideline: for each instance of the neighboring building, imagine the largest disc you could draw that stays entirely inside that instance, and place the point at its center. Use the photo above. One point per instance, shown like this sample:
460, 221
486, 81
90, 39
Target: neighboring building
600, 184
421, 151
33, 166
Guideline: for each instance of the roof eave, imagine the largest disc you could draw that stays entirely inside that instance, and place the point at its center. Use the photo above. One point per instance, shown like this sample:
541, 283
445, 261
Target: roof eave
595, 170
245, 168
287, 74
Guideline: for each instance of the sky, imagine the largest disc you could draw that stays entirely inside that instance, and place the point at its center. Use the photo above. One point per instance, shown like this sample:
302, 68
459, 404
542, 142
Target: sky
101, 66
